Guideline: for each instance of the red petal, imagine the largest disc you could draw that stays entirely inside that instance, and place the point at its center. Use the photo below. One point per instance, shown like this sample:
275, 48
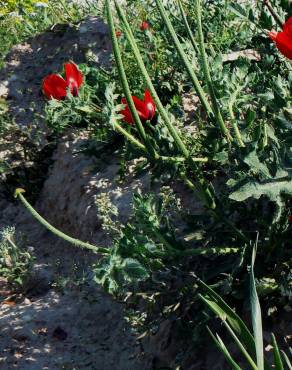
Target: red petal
54, 86
126, 112
288, 27
150, 104
74, 77
141, 108
146, 109
284, 44
144, 26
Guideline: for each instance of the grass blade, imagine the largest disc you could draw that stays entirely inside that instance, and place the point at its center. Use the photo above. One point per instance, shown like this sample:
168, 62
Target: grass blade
241, 347
277, 354
256, 316
220, 344
287, 361
225, 312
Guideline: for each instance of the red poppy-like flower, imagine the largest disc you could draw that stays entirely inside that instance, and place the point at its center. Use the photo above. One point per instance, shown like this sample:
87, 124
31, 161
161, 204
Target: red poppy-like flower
146, 108
55, 86
283, 39
290, 218
144, 26
119, 33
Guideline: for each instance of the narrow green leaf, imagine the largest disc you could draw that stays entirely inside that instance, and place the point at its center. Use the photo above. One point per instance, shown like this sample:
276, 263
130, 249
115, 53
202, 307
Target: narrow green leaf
277, 355
256, 316
241, 347
287, 361
220, 344
225, 312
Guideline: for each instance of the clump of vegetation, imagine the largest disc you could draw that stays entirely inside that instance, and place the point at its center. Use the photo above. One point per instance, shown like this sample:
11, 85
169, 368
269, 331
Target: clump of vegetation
16, 259
235, 166
9, 6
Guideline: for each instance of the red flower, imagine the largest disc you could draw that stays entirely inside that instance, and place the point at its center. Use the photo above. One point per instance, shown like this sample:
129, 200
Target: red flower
119, 33
283, 39
144, 26
146, 109
55, 86
290, 218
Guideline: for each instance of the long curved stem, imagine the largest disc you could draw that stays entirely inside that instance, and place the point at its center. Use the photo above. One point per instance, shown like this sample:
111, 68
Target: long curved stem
78, 243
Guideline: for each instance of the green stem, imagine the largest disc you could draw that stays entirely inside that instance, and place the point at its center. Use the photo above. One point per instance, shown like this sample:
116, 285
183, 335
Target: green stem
154, 94
183, 159
233, 118
162, 239
65, 7
202, 190
130, 137
207, 74
206, 196
275, 15
188, 28
59, 233
124, 81
207, 251
193, 77
235, 127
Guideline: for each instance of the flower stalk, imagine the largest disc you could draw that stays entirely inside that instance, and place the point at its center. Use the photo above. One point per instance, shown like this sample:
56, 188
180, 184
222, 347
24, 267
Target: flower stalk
78, 243
205, 193
188, 28
233, 118
183, 56
128, 32
207, 74
274, 14
124, 81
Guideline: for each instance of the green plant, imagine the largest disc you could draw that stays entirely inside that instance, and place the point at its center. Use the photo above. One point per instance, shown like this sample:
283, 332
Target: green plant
237, 165
84, 111
22, 19
16, 260
250, 345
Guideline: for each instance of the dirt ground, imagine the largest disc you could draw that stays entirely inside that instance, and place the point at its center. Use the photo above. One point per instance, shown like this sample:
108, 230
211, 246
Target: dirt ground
55, 325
